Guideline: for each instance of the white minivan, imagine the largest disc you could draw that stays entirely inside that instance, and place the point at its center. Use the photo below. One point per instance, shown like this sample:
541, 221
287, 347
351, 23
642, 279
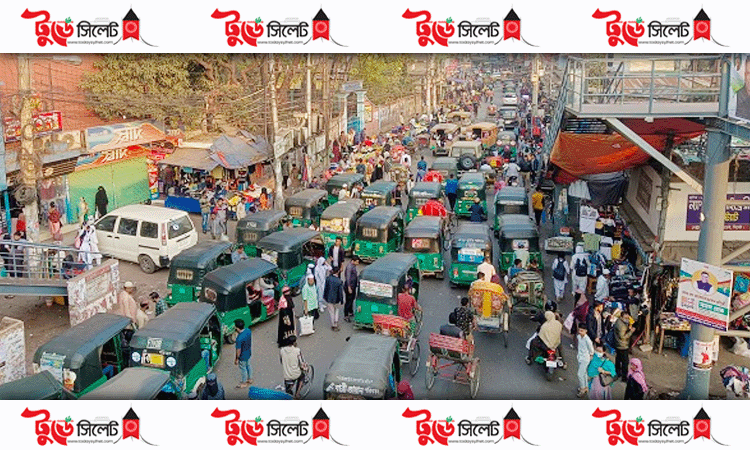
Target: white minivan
148, 235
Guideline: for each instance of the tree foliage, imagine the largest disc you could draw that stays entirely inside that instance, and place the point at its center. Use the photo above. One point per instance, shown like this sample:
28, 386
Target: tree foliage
385, 76
139, 86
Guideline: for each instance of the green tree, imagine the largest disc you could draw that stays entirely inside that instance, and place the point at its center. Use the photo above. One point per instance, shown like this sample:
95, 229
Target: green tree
386, 77
143, 86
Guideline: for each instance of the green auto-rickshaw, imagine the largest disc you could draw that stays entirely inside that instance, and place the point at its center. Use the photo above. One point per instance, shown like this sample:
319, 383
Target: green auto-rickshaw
185, 341
381, 282
245, 290
420, 194
188, 268
518, 239
133, 383
41, 386
471, 185
379, 231
471, 244
368, 368
424, 238
342, 180
79, 356
510, 200
256, 226
339, 221
292, 250
379, 193
445, 165
305, 207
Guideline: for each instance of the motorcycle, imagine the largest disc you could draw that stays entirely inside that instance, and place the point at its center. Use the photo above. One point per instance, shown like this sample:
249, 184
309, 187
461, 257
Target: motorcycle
550, 363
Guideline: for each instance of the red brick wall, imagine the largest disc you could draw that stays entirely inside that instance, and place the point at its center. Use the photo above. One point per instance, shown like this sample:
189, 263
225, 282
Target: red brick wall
57, 82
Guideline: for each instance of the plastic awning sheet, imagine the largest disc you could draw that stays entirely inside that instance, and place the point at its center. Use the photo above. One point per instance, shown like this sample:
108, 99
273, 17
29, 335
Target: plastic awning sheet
194, 158
586, 154
238, 153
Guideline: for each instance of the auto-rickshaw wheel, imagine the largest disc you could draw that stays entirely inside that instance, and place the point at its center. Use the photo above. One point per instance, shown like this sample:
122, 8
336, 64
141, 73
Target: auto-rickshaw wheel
474, 380
430, 374
415, 358
440, 275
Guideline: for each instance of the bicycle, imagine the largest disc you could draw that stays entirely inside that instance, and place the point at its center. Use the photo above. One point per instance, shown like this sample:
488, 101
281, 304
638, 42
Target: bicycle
308, 374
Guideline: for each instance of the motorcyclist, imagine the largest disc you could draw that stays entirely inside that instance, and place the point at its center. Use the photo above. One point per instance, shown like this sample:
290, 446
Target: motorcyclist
548, 337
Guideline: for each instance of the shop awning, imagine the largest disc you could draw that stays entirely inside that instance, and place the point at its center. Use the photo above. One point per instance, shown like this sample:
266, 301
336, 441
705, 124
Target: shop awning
11, 159
194, 158
238, 152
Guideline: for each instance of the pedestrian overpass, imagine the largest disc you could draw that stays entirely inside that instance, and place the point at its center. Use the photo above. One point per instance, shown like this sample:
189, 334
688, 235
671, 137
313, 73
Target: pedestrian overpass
39, 270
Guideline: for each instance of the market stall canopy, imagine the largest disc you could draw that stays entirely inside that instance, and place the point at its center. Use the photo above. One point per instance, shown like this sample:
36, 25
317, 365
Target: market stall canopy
240, 152
194, 158
585, 154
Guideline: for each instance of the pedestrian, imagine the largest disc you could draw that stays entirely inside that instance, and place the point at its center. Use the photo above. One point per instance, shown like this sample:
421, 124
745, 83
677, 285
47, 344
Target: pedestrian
6, 250
216, 227
83, 211
285, 172
141, 316
512, 173
404, 391
54, 219
221, 215
213, 390
451, 189
92, 240
160, 306
601, 373
243, 352
487, 268
337, 255
264, 201
476, 211
205, 205
602, 286
126, 303
101, 201
21, 225
595, 323
352, 281
580, 268
334, 295
18, 255
560, 271
585, 353
321, 274
537, 203
377, 173
465, 319
406, 160
241, 209
387, 166
287, 325
623, 331
310, 297
636, 387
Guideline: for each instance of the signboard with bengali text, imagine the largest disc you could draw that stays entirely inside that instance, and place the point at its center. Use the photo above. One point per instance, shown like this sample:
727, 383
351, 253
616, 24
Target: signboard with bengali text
704, 294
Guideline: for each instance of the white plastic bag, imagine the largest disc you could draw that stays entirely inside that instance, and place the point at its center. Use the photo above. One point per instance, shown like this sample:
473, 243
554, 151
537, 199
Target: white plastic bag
306, 325
528, 343
569, 322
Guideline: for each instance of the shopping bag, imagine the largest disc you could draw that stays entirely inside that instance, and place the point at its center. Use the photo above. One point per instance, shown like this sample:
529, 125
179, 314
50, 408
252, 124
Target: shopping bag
306, 325
568, 324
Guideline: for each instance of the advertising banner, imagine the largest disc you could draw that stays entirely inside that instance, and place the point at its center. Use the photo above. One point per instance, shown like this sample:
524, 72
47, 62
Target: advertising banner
93, 292
737, 217
704, 294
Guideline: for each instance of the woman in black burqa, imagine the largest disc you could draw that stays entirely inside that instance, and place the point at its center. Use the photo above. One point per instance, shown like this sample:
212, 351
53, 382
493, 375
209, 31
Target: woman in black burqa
286, 318
101, 201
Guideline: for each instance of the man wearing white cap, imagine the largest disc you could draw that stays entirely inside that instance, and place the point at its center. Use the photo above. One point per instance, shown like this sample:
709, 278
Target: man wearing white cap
602, 286
126, 303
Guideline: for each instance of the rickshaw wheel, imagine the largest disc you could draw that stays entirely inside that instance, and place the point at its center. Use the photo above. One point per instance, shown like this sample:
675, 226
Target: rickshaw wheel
307, 384
415, 358
231, 338
429, 376
474, 386
506, 327
418, 315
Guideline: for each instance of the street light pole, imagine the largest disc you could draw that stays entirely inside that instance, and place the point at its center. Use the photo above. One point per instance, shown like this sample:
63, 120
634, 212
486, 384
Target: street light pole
28, 165
711, 239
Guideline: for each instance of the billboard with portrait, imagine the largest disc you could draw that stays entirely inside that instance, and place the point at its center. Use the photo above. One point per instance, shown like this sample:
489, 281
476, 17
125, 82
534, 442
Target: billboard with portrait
739, 87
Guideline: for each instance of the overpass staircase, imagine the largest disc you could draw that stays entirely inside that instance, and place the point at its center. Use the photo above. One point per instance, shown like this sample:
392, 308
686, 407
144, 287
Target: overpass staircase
39, 270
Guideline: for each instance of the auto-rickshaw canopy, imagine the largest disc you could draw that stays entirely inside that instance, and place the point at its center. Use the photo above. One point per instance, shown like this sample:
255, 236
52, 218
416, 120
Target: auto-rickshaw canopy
346, 211
445, 163
133, 383
389, 269
260, 221
288, 240
379, 189
176, 328
363, 368
379, 218
80, 344
430, 227
512, 195
41, 386
340, 179
234, 277
472, 235
201, 257
301, 203
446, 128
516, 223
426, 189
